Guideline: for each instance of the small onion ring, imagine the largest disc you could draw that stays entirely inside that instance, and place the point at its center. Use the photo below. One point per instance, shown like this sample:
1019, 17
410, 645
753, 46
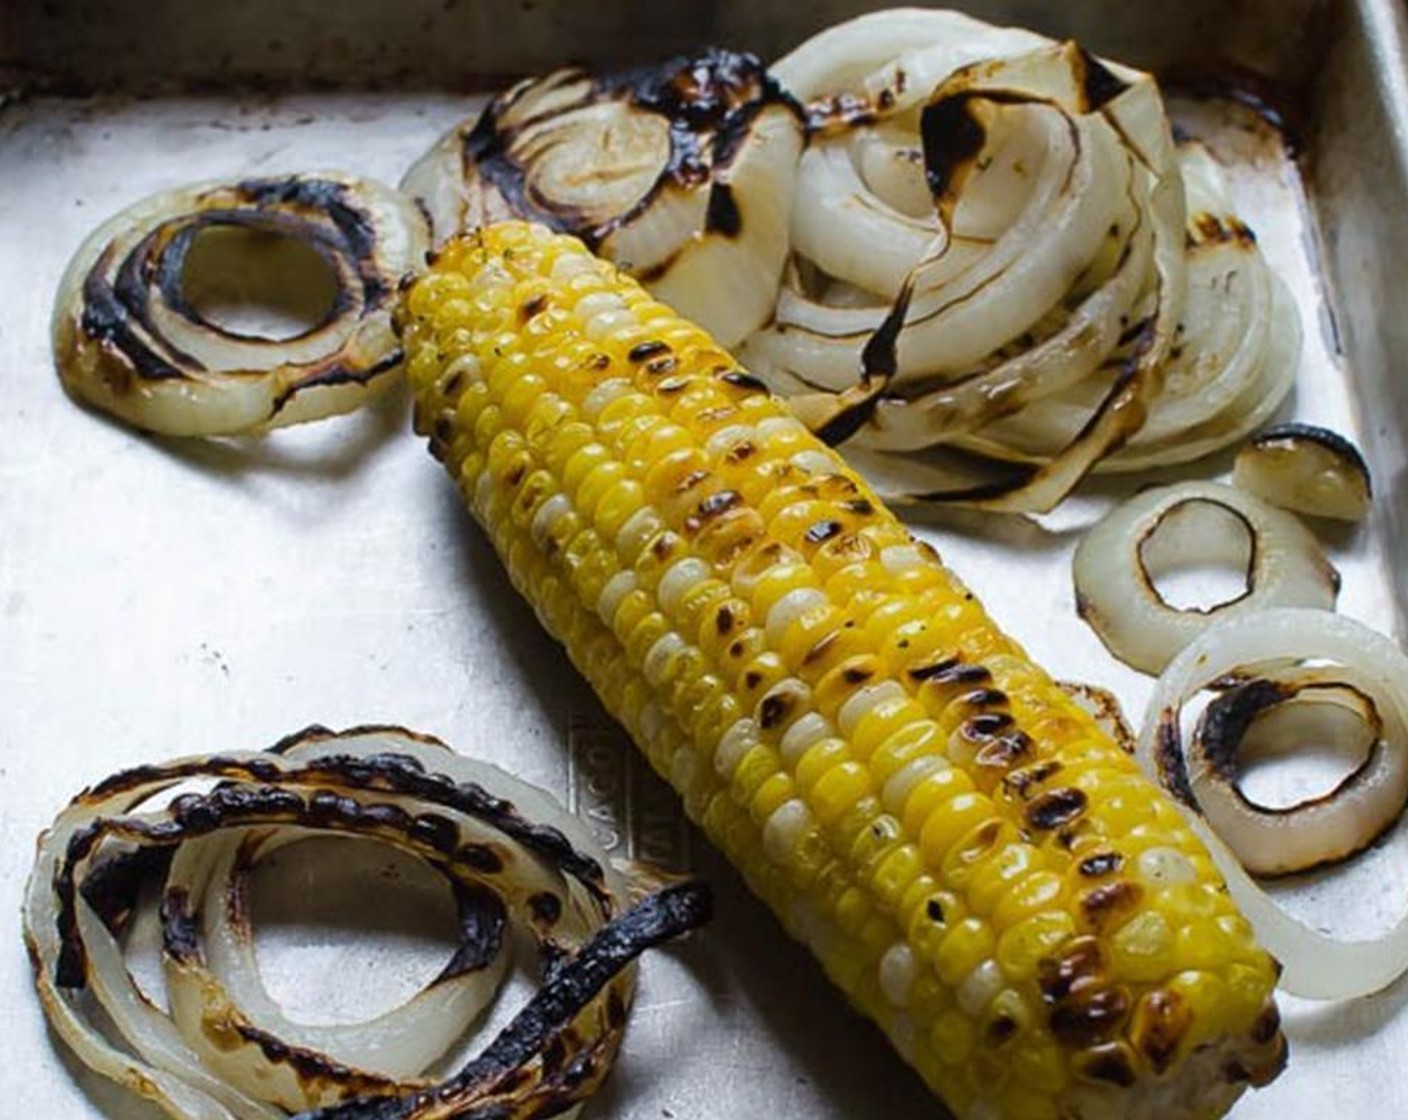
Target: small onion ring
1316, 966
1319, 830
128, 340
224, 1052
1115, 590
681, 173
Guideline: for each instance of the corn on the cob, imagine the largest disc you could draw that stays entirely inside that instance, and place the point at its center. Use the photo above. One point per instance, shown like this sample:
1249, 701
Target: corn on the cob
975, 864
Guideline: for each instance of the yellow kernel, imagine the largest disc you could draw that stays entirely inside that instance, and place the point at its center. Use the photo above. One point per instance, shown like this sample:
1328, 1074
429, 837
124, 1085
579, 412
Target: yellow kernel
952, 1037
967, 944
949, 821
931, 791
1022, 947
838, 789
883, 720
1038, 892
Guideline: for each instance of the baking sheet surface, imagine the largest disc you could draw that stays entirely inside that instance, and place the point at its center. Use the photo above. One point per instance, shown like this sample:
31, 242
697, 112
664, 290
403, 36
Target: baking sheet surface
161, 597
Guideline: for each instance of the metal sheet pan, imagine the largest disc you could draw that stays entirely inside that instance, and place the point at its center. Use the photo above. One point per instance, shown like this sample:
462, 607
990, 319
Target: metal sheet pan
159, 597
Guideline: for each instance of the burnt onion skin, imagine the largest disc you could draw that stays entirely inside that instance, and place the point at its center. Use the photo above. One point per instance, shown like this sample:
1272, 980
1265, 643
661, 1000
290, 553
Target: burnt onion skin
129, 341
384, 784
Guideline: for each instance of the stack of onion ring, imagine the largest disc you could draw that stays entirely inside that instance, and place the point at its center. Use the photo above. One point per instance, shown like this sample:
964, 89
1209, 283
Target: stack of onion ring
129, 339
222, 1050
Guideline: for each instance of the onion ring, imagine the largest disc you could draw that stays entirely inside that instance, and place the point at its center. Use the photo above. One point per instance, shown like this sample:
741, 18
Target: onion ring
129, 339
1118, 561
681, 173
224, 1051
1320, 830
1289, 642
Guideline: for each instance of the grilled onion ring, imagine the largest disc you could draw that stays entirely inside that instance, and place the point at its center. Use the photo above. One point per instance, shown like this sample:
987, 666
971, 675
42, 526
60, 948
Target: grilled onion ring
128, 338
681, 173
1311, 646
1118, 562
224, 1052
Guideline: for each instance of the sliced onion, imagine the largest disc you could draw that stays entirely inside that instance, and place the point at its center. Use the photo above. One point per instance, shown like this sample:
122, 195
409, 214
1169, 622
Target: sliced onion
1284, 643
1307, 469
681, 173
130, 336
1164, 528
224, 1050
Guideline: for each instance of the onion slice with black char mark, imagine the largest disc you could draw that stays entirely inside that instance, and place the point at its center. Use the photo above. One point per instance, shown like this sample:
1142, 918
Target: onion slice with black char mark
222, 1049
1307, 469
134, 333
681, 173
1191, 524
1277, 654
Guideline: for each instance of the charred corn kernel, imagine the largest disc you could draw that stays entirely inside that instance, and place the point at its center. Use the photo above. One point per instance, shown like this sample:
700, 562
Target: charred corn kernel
970, 858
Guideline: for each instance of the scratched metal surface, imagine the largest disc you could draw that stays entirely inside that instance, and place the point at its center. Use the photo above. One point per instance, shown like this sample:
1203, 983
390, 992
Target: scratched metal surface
159, 597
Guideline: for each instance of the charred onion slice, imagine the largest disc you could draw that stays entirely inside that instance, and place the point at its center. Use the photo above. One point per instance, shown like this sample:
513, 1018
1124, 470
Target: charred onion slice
1285, 652
222, 1050
1307, 469
130, 337
681, 173
1174, 527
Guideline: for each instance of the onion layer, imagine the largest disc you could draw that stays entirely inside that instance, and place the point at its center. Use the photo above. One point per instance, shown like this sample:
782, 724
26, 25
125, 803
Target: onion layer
130, 338
1307, 469
223, 1050
1166, 528
681, 173
1301, 646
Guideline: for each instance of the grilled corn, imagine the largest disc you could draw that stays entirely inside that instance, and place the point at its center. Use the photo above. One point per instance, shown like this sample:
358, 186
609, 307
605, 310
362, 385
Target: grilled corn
979, 869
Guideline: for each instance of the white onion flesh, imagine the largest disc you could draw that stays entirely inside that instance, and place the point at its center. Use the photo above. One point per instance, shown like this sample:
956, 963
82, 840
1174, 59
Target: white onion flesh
1317, 966
1166, 528
130, 336
517, 859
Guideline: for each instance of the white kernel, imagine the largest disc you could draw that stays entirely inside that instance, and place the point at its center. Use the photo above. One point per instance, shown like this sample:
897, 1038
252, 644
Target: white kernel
679, 578
805, 731
602, 395
864, 699
660, 658
784, 830
540, 529
617, 588
898, 971
1164, 866
569, 265
725, 438
483, 491
903, 1034
789, 608
652, 722
635, 534
979, 988
900, 558
734, 743
897, 787
775, 426
684, 768
598, 303
607, 323
814, 461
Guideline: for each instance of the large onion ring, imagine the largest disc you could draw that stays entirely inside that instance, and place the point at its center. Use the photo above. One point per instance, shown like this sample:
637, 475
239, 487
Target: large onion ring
681, 173
1118, 561
224, 1052
1317, 966
128, 340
